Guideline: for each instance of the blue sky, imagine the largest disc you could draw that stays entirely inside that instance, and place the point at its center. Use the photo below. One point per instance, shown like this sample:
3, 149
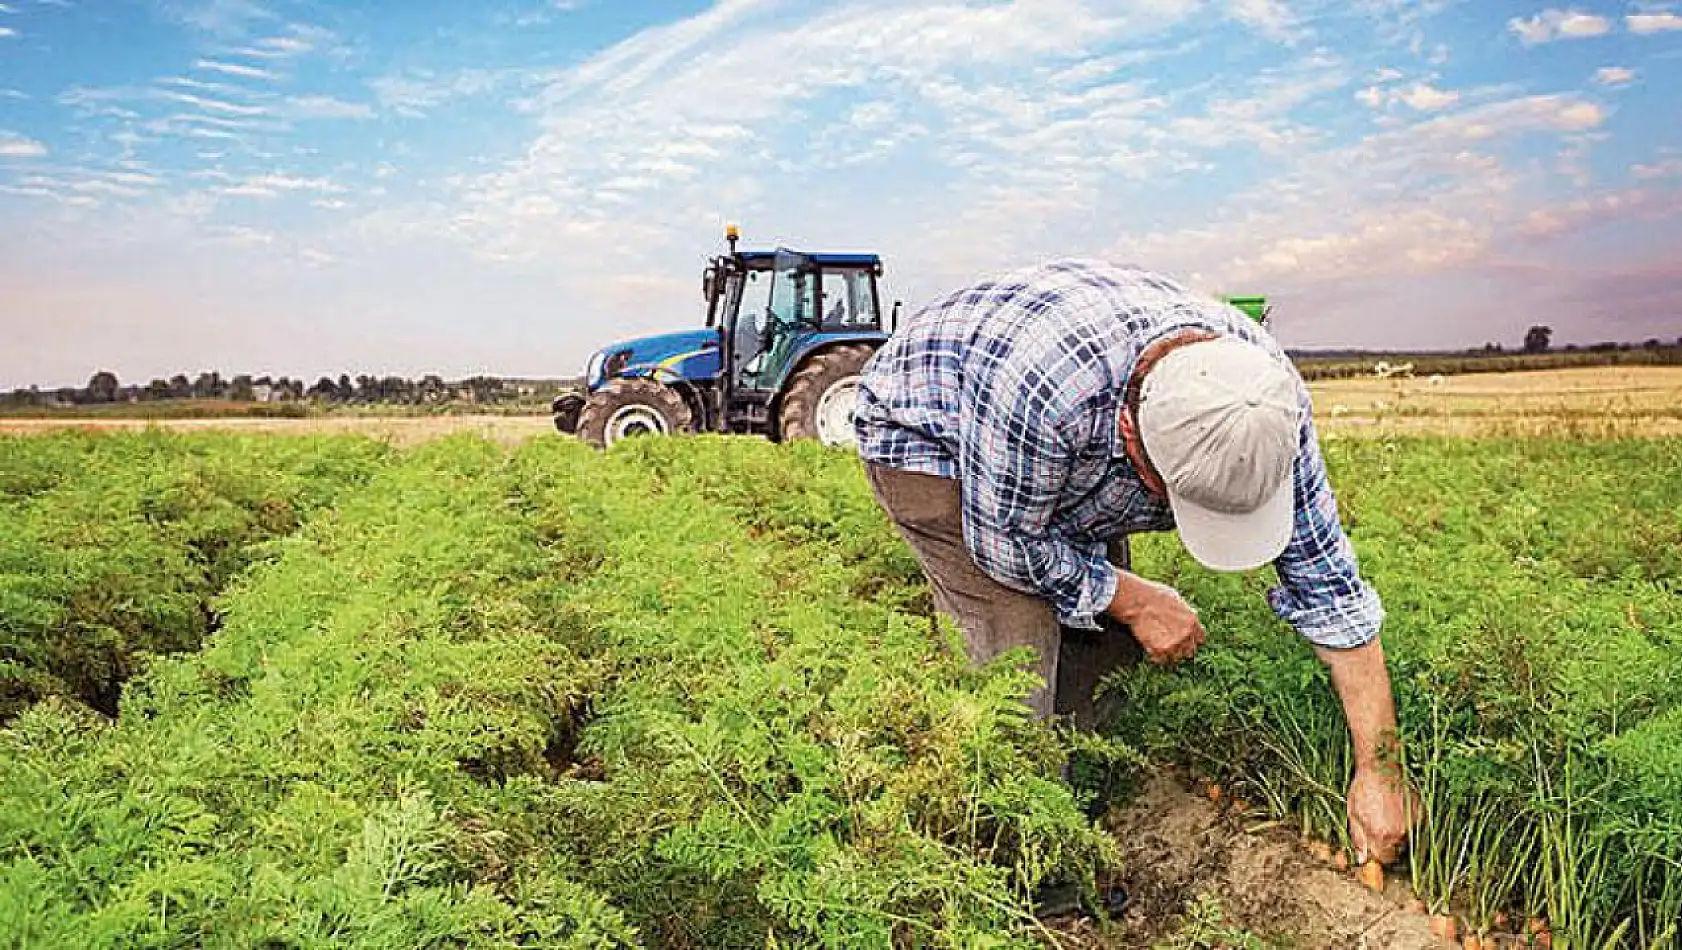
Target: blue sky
306, 186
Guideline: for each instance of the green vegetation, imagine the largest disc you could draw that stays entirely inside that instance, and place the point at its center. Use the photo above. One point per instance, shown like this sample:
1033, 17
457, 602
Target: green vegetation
687, 693
111, 549
1314, 366
1535, 632
548, 699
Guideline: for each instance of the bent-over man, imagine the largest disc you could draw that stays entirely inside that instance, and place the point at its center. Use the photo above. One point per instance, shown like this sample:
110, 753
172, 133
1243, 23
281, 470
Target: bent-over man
1017, 428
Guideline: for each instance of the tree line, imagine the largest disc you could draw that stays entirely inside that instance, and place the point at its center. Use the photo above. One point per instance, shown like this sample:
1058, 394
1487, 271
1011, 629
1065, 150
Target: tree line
104, 387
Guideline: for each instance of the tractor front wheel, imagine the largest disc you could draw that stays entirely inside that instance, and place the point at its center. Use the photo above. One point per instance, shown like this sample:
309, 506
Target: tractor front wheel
821, 396
566, 408
631, 407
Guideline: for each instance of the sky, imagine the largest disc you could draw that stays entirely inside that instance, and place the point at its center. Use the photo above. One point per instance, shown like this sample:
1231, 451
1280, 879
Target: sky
308, 187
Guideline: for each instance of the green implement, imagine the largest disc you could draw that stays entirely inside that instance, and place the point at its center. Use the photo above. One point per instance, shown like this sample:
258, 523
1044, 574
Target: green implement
1255, 307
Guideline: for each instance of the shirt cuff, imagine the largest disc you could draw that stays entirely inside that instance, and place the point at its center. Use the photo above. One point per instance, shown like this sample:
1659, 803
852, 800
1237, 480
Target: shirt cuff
1095, 596
1343, 623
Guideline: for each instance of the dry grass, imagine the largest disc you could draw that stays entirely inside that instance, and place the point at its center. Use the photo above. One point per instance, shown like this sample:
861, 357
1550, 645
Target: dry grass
1588, 402
1594, 402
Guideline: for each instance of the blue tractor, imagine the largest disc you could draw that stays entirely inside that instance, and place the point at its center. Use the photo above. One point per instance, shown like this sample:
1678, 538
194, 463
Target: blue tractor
785, 338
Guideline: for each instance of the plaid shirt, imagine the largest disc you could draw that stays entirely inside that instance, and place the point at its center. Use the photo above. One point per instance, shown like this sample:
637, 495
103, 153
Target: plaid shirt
1013, 386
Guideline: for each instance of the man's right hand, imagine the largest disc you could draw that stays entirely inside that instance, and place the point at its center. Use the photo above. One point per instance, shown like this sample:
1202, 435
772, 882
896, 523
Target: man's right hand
1161, 620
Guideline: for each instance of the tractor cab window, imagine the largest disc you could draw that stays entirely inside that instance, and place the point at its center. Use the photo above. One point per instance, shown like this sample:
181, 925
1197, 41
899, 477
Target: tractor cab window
849, 301
775, 304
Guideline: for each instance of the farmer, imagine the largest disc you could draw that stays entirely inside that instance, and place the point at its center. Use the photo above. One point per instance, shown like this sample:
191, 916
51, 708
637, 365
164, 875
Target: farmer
1017, 429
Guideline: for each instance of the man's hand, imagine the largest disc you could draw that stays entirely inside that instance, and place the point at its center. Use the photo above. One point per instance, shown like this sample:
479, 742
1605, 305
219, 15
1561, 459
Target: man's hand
1382, 811
1161, 620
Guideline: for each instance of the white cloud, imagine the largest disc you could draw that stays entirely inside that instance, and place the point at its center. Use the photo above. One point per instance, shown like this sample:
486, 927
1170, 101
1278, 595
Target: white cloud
1668, 166
273, 185
1420, 97
298, 39
215, 105
414, 95
324, 107
233, 69
1614, 76
1552, 24
1644, 23
1424, 97
1270, 17
16, 146
6, 31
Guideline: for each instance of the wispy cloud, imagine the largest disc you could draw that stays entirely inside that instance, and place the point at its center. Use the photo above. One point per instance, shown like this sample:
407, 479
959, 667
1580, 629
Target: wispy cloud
1662, 22
1614, 76
214, 105
16, 146
1271, 17
323, 107
234, 69
297, 39
221, 18
1420, 96
273, 185
1552, 24
6, 31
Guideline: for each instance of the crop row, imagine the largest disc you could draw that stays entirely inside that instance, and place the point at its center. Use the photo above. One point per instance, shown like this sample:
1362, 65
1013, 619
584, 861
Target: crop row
689, 693
1534, 630
552, 699
112, 548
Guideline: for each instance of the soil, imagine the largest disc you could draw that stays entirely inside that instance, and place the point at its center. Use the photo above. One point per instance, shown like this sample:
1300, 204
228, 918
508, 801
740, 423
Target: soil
1178, 846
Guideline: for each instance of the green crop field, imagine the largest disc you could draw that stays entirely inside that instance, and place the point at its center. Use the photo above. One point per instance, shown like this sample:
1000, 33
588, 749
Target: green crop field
323, 691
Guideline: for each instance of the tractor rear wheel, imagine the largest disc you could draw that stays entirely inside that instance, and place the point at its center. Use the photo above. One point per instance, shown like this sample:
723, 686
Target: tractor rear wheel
821, 396
631, 407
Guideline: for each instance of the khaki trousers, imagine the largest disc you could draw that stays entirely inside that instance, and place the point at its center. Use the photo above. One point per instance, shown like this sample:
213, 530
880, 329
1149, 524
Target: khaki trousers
927, 511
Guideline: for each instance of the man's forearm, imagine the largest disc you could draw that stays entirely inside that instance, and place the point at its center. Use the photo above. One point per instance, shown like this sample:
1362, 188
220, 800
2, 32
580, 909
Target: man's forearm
1363, 684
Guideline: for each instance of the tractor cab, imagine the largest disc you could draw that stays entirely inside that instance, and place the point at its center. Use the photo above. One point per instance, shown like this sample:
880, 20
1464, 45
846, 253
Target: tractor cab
784, 338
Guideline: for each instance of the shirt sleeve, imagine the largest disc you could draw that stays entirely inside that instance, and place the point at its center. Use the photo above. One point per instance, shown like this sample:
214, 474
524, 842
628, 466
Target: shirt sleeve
1014, 463
1321, 592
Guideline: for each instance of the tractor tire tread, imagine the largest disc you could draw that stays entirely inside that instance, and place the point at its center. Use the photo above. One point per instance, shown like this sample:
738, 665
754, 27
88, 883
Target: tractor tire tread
600, 407
806, 387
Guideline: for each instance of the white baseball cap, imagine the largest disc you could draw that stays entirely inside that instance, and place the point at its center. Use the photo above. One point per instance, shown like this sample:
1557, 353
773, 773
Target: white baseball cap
1220, 420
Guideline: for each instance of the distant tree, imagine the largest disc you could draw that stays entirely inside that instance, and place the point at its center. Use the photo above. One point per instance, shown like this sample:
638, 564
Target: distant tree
431, 388
209, 386
102, 387
347, 390
157, 389
240, 389
1537, 339
179, 387
324, 388
1652, 344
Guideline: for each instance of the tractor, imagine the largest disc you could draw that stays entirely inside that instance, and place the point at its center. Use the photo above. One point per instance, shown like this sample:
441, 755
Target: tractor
786, 336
